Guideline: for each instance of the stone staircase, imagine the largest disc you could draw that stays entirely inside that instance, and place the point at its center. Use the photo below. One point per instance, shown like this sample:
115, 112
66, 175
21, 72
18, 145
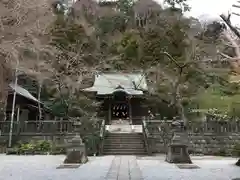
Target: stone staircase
124, 144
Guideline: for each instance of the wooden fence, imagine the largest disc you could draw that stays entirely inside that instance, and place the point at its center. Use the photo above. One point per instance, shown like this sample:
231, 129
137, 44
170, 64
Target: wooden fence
46, 127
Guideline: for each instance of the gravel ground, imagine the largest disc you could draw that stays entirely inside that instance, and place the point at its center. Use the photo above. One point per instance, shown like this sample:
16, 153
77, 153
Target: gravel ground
116, 168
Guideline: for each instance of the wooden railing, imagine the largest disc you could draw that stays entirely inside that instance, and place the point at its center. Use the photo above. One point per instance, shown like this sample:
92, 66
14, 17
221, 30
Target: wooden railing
102, 136
147, 137
33, 127
208, 126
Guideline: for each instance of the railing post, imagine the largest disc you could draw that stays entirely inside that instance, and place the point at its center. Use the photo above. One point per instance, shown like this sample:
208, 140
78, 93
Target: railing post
147, 138
102, 136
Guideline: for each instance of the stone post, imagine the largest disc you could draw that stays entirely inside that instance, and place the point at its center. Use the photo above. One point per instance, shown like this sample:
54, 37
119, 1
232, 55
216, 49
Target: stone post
178, 147
76, 149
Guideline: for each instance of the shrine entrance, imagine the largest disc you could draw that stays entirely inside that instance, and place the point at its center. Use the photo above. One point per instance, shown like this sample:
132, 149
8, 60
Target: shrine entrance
120, 107
120, 110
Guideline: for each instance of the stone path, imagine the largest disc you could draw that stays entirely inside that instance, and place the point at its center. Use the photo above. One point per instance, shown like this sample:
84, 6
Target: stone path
124, 168
116, 168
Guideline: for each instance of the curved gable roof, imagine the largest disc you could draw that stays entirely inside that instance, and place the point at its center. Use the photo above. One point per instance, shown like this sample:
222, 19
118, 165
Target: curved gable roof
108, 83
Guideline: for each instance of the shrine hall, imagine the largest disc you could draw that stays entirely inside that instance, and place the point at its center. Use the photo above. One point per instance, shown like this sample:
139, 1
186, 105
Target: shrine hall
121, 96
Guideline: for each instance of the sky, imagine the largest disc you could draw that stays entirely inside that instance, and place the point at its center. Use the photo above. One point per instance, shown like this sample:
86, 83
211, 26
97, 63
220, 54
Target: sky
211, 9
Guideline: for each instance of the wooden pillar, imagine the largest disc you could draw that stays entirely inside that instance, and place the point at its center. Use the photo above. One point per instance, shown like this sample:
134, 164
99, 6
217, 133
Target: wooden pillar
61, 125
47, 116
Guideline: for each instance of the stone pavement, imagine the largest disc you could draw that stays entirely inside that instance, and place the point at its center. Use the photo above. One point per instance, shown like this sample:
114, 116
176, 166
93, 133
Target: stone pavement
116, 168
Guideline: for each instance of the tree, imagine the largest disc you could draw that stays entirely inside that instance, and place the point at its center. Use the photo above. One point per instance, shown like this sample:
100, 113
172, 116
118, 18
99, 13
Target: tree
22, 23
180, 3
233, 36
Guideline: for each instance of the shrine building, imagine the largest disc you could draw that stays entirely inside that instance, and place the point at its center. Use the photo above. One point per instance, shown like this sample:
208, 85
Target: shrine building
121, 96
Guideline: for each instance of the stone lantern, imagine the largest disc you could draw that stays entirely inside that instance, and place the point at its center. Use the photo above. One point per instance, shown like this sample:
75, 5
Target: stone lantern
178, 147
76, 149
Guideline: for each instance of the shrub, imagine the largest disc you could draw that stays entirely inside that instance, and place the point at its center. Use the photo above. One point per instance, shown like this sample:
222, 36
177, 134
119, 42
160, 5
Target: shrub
26, 148
92, 143
37, 147
221, 152
43, 146
58, 150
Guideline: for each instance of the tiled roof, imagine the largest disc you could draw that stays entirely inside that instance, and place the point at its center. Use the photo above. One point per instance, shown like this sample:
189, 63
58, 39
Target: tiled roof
23, 92
108, 83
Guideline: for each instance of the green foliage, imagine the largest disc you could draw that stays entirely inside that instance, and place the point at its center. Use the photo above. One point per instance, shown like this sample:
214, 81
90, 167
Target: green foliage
38, 147
42, 146
221, 152
68, 36
92, 142
181, 3
111, 24
56, 150
170, 37
116, 42
125, 6
219, 98
128, 48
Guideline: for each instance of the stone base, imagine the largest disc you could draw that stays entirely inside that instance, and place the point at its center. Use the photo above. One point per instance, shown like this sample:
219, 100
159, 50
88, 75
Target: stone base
69, 166
238, 162
178, 154
76, 157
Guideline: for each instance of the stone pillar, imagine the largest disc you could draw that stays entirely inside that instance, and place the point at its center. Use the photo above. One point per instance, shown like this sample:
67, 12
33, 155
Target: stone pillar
178, 147
76, 149
109, 112
130, 109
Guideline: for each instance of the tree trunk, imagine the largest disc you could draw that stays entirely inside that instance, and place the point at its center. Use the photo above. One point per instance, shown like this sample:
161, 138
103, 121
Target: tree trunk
5, 77
3, 100
39, 106
177, 102
39, 100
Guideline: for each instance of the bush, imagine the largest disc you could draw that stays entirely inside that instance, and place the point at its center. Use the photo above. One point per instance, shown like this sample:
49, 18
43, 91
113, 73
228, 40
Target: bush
43, 146
92, 143
38, 147
26, 148
56, 150
221, 152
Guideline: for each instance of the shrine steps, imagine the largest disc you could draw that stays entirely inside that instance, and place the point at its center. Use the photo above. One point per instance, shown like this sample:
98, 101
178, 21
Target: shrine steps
124, 144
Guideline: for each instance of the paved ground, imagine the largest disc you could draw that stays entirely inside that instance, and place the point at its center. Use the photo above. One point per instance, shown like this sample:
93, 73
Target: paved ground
115, 168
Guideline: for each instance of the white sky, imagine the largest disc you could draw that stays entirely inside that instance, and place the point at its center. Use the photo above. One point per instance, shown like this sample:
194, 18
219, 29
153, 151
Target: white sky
212, 9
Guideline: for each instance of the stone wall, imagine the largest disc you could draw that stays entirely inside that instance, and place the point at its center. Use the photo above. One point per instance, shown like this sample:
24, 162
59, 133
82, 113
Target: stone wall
57, 140
208, 143
209, 137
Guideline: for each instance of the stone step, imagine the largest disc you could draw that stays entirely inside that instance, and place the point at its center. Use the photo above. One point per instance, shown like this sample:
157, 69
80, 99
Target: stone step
116, 151
125, 138
118, 136
126, 144
124, 153
126, 148
118, 141
124, 134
